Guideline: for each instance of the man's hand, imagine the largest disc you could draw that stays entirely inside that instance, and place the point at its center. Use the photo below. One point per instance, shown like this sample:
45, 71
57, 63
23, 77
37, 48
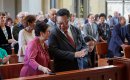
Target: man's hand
81, 53
123, 46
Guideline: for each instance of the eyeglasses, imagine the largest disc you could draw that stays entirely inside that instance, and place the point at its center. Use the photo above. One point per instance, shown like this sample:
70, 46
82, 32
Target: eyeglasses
63, 22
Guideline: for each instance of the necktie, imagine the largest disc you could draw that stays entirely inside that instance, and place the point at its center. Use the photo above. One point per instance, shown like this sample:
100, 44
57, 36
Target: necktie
69, 39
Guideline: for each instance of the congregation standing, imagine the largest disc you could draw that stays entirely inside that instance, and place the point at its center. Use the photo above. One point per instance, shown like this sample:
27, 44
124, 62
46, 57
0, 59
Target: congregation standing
62, 37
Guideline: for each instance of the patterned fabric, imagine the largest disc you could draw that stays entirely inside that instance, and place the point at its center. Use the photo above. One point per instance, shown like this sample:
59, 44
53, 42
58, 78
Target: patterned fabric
104, 31
5, 33
3, 53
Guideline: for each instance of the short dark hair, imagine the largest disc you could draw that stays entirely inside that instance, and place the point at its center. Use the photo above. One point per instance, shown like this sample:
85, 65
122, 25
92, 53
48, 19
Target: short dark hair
102, 15
88, 38
63, 12
96, 16
89, 15
29, 19
41, 26
109, 15
2, 14
9, 19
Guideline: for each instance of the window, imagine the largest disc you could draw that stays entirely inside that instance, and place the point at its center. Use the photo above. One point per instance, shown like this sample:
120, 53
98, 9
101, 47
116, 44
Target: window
122, 6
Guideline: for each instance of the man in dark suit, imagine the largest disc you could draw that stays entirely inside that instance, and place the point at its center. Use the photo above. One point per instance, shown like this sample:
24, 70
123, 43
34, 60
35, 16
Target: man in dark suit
128, 33
66, 44
117, 42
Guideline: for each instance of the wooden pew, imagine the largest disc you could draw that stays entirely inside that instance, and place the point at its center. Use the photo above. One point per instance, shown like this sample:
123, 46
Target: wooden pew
13, 70
127, 52
10, 70
124, 61
118, 70
101, 48
98, 73
13, 59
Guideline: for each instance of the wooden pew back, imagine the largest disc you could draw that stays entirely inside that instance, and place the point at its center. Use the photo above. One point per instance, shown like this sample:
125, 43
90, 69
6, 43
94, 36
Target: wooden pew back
10, 70
120, 70
13, 70
126, 70
98, 73
13, 59
127, 52
101, 48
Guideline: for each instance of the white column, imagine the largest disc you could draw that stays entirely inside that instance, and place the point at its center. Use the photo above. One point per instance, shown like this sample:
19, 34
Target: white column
32, 7
45, 6
35, 6
68, 4
25, 5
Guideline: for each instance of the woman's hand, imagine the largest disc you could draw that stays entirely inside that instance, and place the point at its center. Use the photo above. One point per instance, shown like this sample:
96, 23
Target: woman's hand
44, 69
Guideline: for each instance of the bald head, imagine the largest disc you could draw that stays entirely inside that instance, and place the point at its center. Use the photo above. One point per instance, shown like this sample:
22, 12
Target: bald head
116, 14
52, 14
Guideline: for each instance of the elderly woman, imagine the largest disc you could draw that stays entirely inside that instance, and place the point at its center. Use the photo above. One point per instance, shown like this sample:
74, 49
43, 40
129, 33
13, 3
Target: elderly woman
36, 59
26, 35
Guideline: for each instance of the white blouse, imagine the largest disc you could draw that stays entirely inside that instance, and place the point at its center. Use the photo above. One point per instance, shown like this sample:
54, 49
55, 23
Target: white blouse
23, 39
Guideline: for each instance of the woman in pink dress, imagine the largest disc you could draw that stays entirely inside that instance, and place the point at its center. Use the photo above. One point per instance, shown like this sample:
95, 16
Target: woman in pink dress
36, 60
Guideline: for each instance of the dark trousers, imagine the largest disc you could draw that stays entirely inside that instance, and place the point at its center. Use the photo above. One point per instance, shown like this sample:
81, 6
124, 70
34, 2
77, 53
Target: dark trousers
16, 47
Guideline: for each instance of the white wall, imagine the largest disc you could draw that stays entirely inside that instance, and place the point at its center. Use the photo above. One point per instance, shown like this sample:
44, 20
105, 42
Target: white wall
1, 5
68, 4
97, 6
35, 6
9, 6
